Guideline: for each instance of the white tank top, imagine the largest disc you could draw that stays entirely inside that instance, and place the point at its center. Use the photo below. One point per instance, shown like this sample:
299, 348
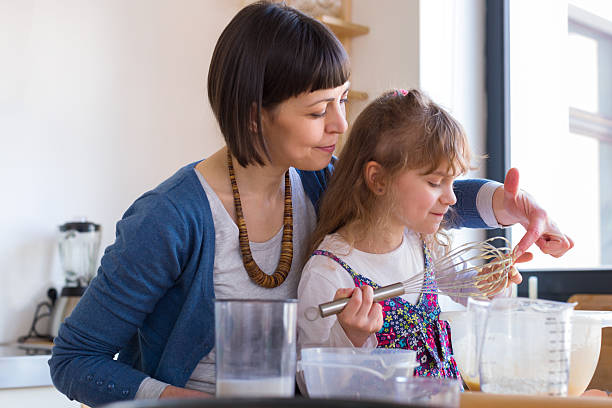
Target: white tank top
229, 276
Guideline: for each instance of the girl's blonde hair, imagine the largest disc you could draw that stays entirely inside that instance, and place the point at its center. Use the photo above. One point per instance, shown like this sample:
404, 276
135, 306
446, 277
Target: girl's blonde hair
400, 130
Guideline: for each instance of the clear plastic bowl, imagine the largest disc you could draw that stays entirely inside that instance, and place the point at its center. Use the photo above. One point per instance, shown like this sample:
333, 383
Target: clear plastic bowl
355, 373
439, 392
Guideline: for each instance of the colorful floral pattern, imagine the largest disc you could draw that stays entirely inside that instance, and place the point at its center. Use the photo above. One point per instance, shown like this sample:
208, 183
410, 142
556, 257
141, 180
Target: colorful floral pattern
413, 327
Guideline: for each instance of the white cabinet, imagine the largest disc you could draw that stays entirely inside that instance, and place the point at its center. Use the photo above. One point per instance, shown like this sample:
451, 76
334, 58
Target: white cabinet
25, 381
35, 397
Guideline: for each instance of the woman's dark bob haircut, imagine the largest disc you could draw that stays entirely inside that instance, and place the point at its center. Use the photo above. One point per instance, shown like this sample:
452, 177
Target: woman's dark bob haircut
267, 54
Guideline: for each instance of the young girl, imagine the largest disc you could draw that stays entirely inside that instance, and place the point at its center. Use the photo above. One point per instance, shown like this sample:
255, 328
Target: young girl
385, 209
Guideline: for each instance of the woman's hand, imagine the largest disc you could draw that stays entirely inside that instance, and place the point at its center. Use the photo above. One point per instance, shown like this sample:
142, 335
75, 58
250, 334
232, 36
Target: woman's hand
176, 392
512, 205
360, 317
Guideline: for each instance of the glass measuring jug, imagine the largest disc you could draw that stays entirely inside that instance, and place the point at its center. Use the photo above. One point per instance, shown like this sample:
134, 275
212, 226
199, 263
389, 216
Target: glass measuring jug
526, 347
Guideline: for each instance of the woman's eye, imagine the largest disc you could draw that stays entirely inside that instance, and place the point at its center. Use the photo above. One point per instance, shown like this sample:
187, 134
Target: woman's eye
344, 100
434, 184
318, 115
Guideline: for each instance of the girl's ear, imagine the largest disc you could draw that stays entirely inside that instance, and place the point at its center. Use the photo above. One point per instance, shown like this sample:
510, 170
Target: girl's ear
375, 177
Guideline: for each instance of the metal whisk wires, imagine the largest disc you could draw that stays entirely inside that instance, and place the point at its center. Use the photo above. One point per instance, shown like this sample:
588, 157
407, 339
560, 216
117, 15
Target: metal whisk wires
477, 269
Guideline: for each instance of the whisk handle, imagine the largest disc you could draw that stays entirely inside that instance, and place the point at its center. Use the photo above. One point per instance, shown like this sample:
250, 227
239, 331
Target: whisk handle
380, 294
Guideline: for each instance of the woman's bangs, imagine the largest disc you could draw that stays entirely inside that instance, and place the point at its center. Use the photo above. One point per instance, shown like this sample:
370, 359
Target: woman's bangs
315, 60
320, 61
332, 71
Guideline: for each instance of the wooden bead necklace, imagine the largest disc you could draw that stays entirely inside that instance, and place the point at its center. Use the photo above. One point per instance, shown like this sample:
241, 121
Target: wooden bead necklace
284, 263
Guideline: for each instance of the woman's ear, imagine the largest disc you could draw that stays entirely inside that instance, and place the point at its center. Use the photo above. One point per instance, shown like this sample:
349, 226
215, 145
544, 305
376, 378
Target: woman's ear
375, 177
253, 119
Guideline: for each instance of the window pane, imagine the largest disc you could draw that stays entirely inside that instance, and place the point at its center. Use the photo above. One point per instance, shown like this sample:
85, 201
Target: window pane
561, 120
582, 75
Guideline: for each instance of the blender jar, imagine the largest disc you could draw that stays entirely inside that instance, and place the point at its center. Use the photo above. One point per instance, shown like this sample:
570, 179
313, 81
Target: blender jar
526, 347
79, 243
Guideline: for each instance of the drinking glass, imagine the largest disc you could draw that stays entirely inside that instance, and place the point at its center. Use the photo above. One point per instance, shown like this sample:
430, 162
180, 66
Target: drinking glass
255, 344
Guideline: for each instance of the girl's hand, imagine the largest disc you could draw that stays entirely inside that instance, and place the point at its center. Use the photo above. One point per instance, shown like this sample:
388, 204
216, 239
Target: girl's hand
360, 318
494, 282
512, 205
489, 286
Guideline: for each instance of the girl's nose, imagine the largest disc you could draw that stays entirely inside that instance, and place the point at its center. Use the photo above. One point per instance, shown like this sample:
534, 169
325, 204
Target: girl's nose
336, 119
448, 198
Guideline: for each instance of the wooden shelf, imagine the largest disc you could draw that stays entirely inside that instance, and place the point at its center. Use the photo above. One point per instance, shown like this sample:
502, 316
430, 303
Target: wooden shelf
343, 28
357, 95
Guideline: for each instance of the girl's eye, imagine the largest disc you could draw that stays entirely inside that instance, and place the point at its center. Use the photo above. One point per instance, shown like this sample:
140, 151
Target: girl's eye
434, 184
344, 100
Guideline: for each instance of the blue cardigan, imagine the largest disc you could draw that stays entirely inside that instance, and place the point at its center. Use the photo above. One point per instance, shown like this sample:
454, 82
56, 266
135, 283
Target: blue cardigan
152, 299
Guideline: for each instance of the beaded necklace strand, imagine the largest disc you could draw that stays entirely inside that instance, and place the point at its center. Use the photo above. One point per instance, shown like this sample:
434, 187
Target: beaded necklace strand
286, 255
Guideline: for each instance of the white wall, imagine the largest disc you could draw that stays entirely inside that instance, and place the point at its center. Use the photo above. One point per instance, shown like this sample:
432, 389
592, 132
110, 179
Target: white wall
388, 56
99, 102
452, 71
436, 45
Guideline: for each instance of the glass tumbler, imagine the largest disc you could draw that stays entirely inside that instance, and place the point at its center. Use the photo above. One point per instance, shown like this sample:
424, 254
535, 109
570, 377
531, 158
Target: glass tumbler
255, 343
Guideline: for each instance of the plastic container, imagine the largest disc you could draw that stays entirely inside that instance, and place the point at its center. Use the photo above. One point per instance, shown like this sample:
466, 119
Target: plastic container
439, 392
355, 373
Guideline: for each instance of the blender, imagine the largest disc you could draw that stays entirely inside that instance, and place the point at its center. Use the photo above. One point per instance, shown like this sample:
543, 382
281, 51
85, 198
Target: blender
78, 244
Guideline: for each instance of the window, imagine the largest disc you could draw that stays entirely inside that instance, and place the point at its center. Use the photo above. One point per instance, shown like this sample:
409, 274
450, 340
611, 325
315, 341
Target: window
560, 76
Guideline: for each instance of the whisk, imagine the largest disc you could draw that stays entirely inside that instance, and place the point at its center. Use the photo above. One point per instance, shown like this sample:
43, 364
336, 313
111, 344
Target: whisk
476, 269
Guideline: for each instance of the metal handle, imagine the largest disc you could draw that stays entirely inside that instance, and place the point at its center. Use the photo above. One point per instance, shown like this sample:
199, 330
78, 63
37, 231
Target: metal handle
380, 294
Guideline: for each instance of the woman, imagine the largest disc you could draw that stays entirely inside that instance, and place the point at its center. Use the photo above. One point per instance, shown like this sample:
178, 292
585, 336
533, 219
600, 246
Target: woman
277, 83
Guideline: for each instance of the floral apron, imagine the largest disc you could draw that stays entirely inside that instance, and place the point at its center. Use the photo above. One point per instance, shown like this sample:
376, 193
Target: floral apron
413, 327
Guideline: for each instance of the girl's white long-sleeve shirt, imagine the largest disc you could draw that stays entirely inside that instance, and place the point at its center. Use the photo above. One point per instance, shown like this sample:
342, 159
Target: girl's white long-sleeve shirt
322, 277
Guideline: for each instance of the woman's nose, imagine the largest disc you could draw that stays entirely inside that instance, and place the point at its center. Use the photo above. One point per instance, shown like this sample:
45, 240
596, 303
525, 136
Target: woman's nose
336, 119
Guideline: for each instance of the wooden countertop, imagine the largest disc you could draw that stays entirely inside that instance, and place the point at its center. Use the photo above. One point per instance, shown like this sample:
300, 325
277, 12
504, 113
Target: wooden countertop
484, 400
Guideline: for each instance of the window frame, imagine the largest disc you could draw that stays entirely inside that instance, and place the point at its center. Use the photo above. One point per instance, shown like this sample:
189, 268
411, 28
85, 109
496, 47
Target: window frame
497, 68
582, 122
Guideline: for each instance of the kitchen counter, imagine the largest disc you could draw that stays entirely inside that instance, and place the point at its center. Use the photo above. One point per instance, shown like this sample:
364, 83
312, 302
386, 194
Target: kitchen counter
24, 365
468, 400
484, 400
